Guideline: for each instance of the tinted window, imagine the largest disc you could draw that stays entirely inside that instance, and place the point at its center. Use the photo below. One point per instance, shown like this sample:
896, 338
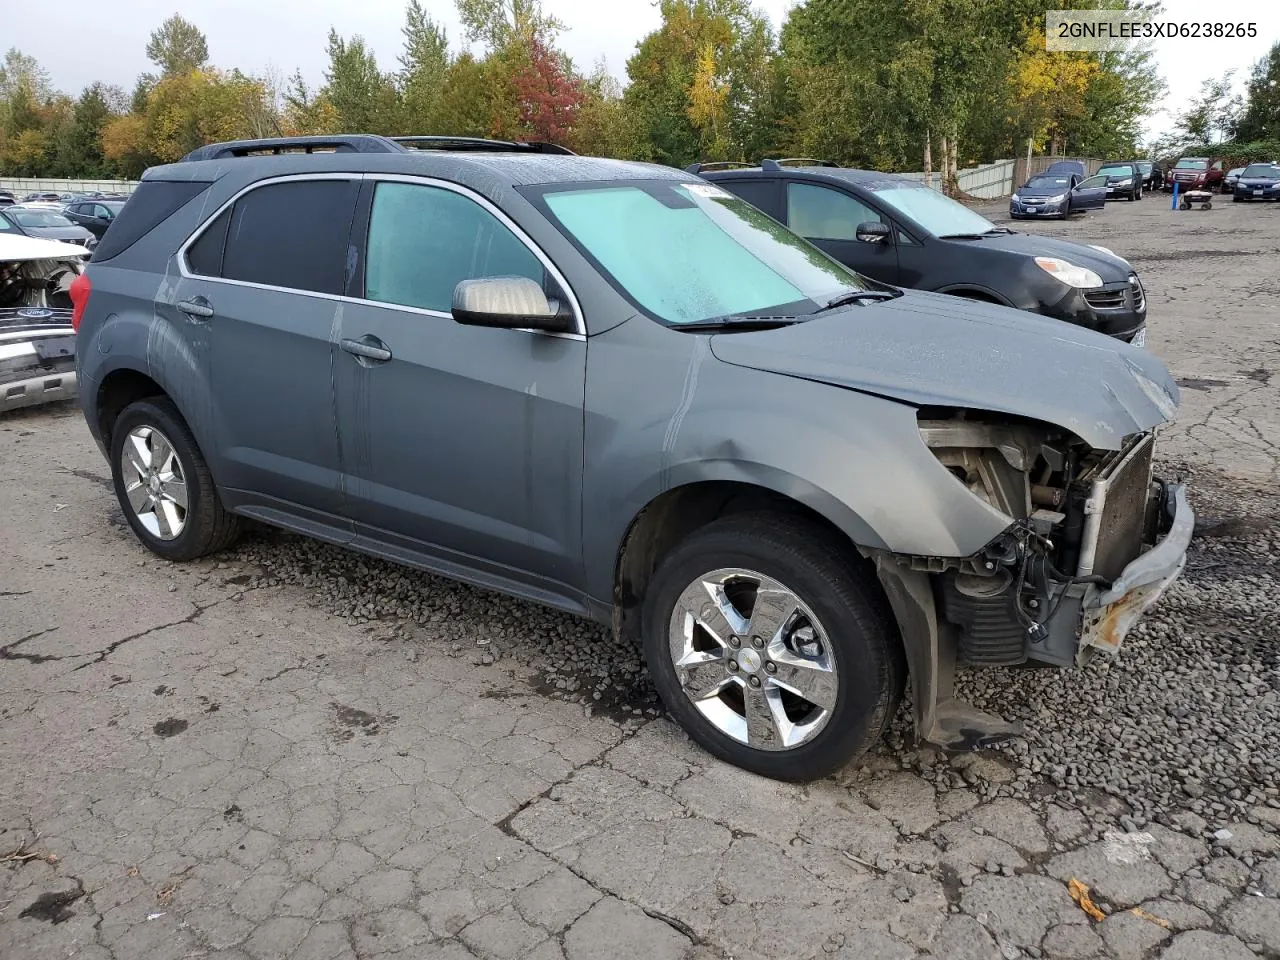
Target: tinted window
292, 235
819, 213
758, 193
424, 241
205, 255
1116, 170
153, 202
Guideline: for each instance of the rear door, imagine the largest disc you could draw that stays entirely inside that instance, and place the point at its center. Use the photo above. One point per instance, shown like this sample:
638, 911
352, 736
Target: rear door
828, 217
1090, 194
265, 276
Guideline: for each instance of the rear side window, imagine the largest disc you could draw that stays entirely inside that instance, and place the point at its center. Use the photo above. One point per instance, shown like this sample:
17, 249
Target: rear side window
153, 202
205, 255
292, 235
818, 213
424, 241
761, 194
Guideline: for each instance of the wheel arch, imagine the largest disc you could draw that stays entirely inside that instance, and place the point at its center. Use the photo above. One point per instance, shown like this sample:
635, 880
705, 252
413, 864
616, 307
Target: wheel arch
973, 291
672, 515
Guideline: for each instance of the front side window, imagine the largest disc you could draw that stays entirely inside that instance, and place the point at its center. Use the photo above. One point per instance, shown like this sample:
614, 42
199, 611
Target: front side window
423, 241
292, 235
1097, 180
820, 213
687, 252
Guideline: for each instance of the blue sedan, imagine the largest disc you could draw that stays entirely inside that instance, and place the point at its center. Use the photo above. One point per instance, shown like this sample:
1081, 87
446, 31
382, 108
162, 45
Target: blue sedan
1260, 181
1052, 195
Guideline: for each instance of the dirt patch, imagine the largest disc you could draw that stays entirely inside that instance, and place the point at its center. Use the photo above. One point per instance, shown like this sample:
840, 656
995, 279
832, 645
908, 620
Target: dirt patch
347, 721
169, 728
53, 907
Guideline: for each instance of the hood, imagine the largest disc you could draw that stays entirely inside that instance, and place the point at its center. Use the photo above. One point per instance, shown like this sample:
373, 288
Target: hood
70, 232
1025, 191
16, 247
930, 349
1106, 265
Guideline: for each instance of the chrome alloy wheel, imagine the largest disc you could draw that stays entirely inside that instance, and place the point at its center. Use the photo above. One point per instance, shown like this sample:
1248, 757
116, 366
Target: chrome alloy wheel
753, 659
153, 482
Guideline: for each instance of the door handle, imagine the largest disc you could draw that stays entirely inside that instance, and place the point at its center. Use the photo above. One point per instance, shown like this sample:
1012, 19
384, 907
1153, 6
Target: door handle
369, 348
196, 308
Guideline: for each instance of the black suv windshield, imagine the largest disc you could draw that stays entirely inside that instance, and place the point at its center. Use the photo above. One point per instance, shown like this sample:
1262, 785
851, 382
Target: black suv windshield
689, 252
934, 211
1264, 171
1116, 170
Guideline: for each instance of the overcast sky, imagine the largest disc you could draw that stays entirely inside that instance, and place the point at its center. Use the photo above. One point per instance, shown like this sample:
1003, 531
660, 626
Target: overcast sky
109, 38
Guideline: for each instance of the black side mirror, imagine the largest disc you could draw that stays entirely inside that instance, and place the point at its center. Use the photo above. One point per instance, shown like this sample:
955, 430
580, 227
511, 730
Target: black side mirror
513, 303
873, 231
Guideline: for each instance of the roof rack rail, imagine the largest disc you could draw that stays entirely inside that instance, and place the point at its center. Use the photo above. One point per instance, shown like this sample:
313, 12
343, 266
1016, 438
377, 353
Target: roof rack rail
338, 143
480, 143
715, 165
778, 164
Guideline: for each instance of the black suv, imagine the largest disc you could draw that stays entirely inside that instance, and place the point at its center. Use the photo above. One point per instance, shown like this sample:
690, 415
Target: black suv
94, 215
901, 232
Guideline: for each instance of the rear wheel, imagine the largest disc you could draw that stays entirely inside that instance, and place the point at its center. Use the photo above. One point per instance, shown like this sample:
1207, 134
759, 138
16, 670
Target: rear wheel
163, 483
772, 647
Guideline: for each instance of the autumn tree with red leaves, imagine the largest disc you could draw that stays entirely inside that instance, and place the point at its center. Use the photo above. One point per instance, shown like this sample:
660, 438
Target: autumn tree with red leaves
549, 97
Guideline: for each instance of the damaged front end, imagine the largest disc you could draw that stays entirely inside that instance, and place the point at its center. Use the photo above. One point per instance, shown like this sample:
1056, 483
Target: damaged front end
37, 339
1094, 539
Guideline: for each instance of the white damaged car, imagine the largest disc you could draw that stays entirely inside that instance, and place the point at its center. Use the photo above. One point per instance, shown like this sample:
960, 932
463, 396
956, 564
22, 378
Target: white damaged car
37, 340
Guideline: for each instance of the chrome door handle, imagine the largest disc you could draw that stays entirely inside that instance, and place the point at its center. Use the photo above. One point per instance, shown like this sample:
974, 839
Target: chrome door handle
196, 307
368, 347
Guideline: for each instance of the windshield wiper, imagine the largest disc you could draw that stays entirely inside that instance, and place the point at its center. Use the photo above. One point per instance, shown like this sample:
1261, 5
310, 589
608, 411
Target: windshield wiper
975, 236
735, 323
857, 296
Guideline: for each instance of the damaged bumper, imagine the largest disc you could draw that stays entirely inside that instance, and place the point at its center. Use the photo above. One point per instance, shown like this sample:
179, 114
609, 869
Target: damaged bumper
1109, 614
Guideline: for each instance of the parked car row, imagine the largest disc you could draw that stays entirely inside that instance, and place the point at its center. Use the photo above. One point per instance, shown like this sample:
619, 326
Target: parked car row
45, 223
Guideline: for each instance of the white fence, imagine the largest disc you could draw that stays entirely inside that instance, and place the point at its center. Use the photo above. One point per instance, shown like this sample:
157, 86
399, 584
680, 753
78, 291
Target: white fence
990, 181
21, 186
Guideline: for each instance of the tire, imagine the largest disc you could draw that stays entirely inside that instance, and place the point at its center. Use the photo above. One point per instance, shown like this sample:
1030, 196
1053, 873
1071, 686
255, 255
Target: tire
1208, 205
1235, 199
850, 630
166, 527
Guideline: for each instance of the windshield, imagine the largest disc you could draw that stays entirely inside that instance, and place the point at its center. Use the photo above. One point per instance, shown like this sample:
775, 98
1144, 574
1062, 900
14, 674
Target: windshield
937, 213
1116, 170
1048, 183
1264, 170
39, 218
689, 252
1191, 165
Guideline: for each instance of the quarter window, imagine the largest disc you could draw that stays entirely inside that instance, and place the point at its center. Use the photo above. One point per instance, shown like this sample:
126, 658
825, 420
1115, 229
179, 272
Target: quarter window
293, 235
818, 213
424, 241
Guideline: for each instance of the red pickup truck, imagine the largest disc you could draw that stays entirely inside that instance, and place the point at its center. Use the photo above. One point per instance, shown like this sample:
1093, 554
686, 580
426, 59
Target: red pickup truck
1195, 173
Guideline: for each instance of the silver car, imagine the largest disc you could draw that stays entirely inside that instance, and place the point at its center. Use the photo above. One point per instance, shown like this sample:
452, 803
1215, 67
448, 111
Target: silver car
619, 390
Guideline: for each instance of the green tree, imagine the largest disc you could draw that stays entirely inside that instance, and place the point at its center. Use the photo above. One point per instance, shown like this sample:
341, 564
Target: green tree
1211, 117
1260, 119
363, 98
78, 149
498, 23
177, 46
423, 66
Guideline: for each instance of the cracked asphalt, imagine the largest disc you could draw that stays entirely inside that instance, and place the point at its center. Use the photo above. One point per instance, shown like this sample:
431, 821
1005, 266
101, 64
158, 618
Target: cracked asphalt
290, 752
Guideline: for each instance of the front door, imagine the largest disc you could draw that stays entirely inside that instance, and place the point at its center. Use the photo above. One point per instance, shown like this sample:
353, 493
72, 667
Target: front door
263, 282
1090, 194
463, 443
829, 218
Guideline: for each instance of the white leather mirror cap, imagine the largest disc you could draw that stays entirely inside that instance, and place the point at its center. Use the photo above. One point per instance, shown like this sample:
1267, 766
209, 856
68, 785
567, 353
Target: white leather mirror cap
502, 296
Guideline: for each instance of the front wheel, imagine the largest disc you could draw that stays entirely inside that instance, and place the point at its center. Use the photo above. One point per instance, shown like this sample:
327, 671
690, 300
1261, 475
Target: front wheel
164, 485
772, 646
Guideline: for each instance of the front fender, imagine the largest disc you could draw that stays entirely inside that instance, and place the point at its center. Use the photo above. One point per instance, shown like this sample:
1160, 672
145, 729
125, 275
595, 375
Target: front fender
857, 460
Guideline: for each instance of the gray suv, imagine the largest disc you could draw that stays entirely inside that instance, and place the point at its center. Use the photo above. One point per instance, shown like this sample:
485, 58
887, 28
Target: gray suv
616, 389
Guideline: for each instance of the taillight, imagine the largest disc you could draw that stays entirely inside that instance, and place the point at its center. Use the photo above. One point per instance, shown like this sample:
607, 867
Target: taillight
80, 290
